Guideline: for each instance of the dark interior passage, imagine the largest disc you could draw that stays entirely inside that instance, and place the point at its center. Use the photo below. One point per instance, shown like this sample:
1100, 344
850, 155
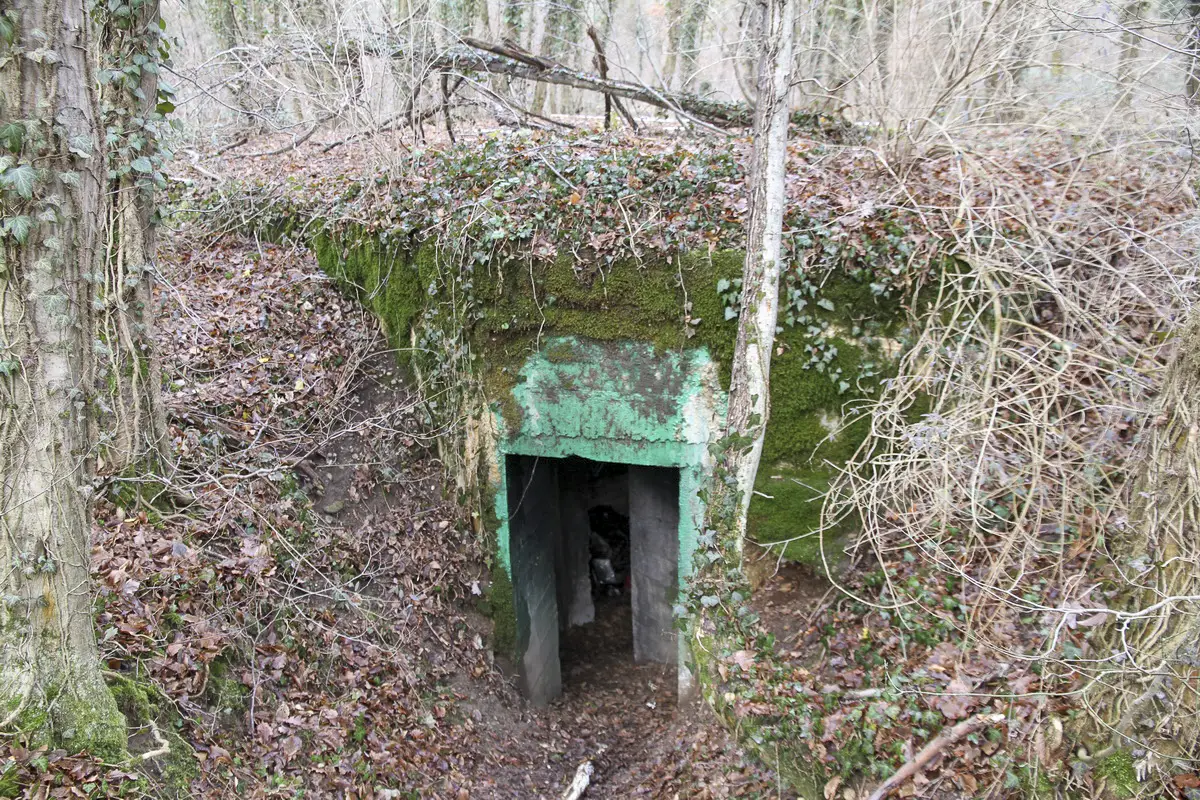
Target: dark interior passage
594, 551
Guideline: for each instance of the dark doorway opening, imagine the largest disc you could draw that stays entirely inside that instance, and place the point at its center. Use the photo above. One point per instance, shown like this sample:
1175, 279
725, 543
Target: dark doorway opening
594, 548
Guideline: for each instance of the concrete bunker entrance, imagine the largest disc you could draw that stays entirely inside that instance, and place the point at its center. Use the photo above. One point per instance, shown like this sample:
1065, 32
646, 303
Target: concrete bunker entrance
595, 558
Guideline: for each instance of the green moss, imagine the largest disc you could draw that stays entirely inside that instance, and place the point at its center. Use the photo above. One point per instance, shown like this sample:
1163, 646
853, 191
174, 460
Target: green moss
503, 611
33, 722
147, 711
224, 691
136, 490
88, 720
791, 759
133, 698
1119, 775
499, 380
789, 506
10, 784
1036, 783
384, 277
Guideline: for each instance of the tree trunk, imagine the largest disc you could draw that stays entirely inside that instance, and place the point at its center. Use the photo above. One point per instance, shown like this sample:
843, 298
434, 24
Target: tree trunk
749, 386
138, 424
688, 43
1131, 49
224, 23
537, 40
1154, 634
51, 687
1192, 45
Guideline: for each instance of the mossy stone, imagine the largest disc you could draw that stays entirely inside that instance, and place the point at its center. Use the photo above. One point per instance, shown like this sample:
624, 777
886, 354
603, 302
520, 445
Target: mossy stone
672, 303
148, 711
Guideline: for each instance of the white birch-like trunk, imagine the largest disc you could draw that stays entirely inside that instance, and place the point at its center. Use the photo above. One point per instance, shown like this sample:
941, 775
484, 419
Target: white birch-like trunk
749, 385
51, 686
537, 43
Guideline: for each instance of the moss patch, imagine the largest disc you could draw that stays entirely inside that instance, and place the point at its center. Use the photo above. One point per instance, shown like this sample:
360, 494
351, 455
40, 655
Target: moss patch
503, 612
1119, 775
152, 720
224, 692
795, 765
821, 364
789, 508
384, 277
89, 722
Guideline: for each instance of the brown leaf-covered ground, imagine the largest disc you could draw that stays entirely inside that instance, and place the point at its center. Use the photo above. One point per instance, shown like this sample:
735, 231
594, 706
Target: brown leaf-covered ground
309, 600
315, 615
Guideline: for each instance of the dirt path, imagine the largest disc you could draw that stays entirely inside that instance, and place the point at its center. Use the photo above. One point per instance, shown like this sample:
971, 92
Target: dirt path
382, 683
621, 715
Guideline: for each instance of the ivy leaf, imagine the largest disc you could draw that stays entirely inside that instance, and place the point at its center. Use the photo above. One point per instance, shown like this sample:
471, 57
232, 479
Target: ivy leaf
21, 180
165, 107
81, 146
12, 135
9, 366
18, 228
142, 165
43, 55
825, 304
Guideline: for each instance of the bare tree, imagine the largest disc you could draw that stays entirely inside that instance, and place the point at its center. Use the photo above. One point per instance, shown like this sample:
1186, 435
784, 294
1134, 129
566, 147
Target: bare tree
749, 387
1192, 46
52, 182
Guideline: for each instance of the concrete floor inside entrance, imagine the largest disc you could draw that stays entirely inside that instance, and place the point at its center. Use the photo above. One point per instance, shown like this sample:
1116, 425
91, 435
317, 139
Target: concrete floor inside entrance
595, 554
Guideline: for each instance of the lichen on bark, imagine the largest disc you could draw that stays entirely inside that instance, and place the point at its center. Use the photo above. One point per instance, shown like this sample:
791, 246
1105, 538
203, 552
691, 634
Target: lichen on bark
51, 689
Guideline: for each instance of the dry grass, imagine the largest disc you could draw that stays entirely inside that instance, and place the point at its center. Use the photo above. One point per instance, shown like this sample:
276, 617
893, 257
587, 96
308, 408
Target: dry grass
1035, 440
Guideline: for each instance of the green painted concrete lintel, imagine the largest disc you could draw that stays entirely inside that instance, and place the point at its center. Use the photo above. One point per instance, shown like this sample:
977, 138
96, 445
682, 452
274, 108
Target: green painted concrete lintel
623, 403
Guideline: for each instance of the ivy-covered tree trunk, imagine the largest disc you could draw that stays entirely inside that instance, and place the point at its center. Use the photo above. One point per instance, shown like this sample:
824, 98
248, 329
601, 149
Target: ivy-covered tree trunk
136, 441
749, 386
1151, 639
52, 184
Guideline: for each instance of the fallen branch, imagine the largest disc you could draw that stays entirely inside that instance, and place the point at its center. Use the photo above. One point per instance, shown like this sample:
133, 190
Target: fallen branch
390, 124
294, 144
931, 750
520, 111
501, 60
236, 143
513, 51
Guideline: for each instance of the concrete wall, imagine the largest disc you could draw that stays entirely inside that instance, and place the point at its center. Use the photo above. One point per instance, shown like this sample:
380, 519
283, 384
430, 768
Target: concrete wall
654, 561
618, 402
574, 586
532, 496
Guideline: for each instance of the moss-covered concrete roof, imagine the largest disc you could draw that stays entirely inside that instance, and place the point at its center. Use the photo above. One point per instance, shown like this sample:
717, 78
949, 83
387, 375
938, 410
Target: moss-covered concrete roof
476, 254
